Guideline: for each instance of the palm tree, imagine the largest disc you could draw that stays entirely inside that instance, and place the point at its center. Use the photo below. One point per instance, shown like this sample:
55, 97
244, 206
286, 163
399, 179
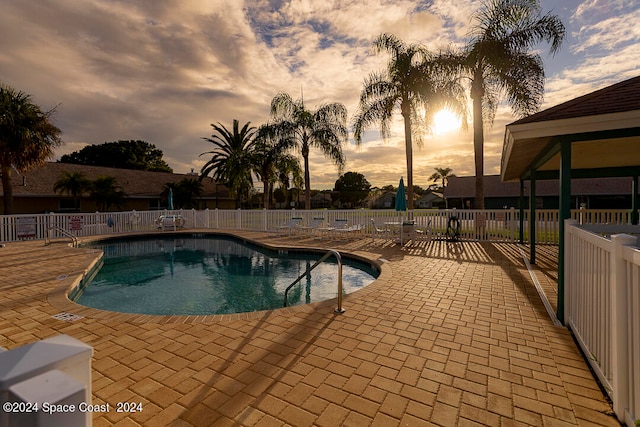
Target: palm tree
499, 61
271, 158
443, 175
27, 137
106, 192
185, 192
325, 129
414, 83
74, 184
188, 191
231, 158
289, 172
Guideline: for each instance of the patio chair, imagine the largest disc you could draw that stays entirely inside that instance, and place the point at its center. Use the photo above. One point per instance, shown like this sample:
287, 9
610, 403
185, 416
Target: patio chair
329, 230
379, 229
288, 228
313, 226
347, 232
424, 233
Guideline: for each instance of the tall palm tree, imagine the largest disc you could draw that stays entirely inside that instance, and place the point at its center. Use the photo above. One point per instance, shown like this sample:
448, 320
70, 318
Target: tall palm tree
27, 137
74, 184
231, 157
442, 175
325, 129
412, 81
499, 61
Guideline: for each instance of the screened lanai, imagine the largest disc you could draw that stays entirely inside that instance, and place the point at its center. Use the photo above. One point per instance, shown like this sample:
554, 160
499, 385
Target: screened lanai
592, 136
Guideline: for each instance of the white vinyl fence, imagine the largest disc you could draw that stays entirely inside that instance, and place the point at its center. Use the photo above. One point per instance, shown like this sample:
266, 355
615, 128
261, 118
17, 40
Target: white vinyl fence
602, 303
500, 225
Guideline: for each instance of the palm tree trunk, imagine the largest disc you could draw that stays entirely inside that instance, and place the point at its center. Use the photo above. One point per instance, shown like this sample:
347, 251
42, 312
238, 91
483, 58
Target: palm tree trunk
265, 196
406, 113
478, 140
7, 189
307, 177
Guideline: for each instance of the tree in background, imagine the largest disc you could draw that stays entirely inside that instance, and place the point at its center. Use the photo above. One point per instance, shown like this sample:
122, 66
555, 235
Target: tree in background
74, 184
442, 175
186, 193
271, 159
106, 192
137, 155
413, 82
500, 61
325, 129
231, 158
352, 188
27, 137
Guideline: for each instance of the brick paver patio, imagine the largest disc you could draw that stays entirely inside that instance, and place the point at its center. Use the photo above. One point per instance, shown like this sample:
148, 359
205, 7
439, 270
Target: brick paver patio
450, 334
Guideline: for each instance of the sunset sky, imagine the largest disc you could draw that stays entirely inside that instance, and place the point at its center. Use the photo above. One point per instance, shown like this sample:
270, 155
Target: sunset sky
163, 71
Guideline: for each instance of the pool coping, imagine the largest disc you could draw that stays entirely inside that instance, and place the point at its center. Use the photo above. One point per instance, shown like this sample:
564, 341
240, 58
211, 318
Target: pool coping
59, 296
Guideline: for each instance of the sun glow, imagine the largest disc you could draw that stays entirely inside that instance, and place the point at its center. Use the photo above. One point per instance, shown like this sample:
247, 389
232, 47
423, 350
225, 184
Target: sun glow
445, 121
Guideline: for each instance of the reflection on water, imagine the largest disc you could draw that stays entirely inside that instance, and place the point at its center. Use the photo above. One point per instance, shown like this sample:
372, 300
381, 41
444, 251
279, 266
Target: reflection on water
210, 275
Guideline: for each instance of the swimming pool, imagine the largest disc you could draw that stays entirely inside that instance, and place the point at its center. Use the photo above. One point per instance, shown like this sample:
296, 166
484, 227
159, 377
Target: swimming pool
209, 274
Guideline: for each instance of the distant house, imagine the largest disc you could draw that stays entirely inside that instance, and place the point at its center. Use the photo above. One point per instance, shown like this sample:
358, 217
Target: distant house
321, 200
430, 200
33, 190
385, 201
594, 193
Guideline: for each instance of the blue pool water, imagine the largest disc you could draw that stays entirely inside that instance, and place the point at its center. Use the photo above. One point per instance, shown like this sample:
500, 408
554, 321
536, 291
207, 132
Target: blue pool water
182, 274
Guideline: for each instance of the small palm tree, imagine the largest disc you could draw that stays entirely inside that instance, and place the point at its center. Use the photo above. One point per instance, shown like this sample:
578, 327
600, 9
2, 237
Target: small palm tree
231, 157
499, 60
414, 83
186, 192
289, 172
106, 192
442, 175
74, 184
27, 137
271, 157
325, 129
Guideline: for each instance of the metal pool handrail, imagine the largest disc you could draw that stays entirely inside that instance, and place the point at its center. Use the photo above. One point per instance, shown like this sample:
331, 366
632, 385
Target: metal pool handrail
330, 252
65, 233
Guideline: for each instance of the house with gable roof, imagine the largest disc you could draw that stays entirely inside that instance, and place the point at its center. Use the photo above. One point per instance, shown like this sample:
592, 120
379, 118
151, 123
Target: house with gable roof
33, 191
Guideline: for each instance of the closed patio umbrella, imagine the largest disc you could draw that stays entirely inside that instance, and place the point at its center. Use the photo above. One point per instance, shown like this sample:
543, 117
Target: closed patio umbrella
401, 197
401, 204
170, 200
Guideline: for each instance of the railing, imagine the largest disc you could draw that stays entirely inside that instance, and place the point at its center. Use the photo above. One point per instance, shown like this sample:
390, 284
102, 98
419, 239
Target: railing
498, 225
65, 233
602, 303
330, 252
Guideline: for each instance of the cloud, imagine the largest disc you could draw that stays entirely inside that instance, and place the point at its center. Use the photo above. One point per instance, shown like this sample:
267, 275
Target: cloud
163, 71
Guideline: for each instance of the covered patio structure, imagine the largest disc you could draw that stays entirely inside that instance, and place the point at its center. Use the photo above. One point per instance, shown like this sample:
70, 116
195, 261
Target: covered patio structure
592, 136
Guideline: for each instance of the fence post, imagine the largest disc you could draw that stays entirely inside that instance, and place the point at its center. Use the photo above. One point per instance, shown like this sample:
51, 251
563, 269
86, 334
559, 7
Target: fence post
619, 327
264, 219
239, 219
217, 218
564, 265
512, 223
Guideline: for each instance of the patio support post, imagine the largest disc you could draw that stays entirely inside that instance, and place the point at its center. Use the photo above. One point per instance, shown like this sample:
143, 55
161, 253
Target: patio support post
532, 218
635, 201
565, 213
521, 211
